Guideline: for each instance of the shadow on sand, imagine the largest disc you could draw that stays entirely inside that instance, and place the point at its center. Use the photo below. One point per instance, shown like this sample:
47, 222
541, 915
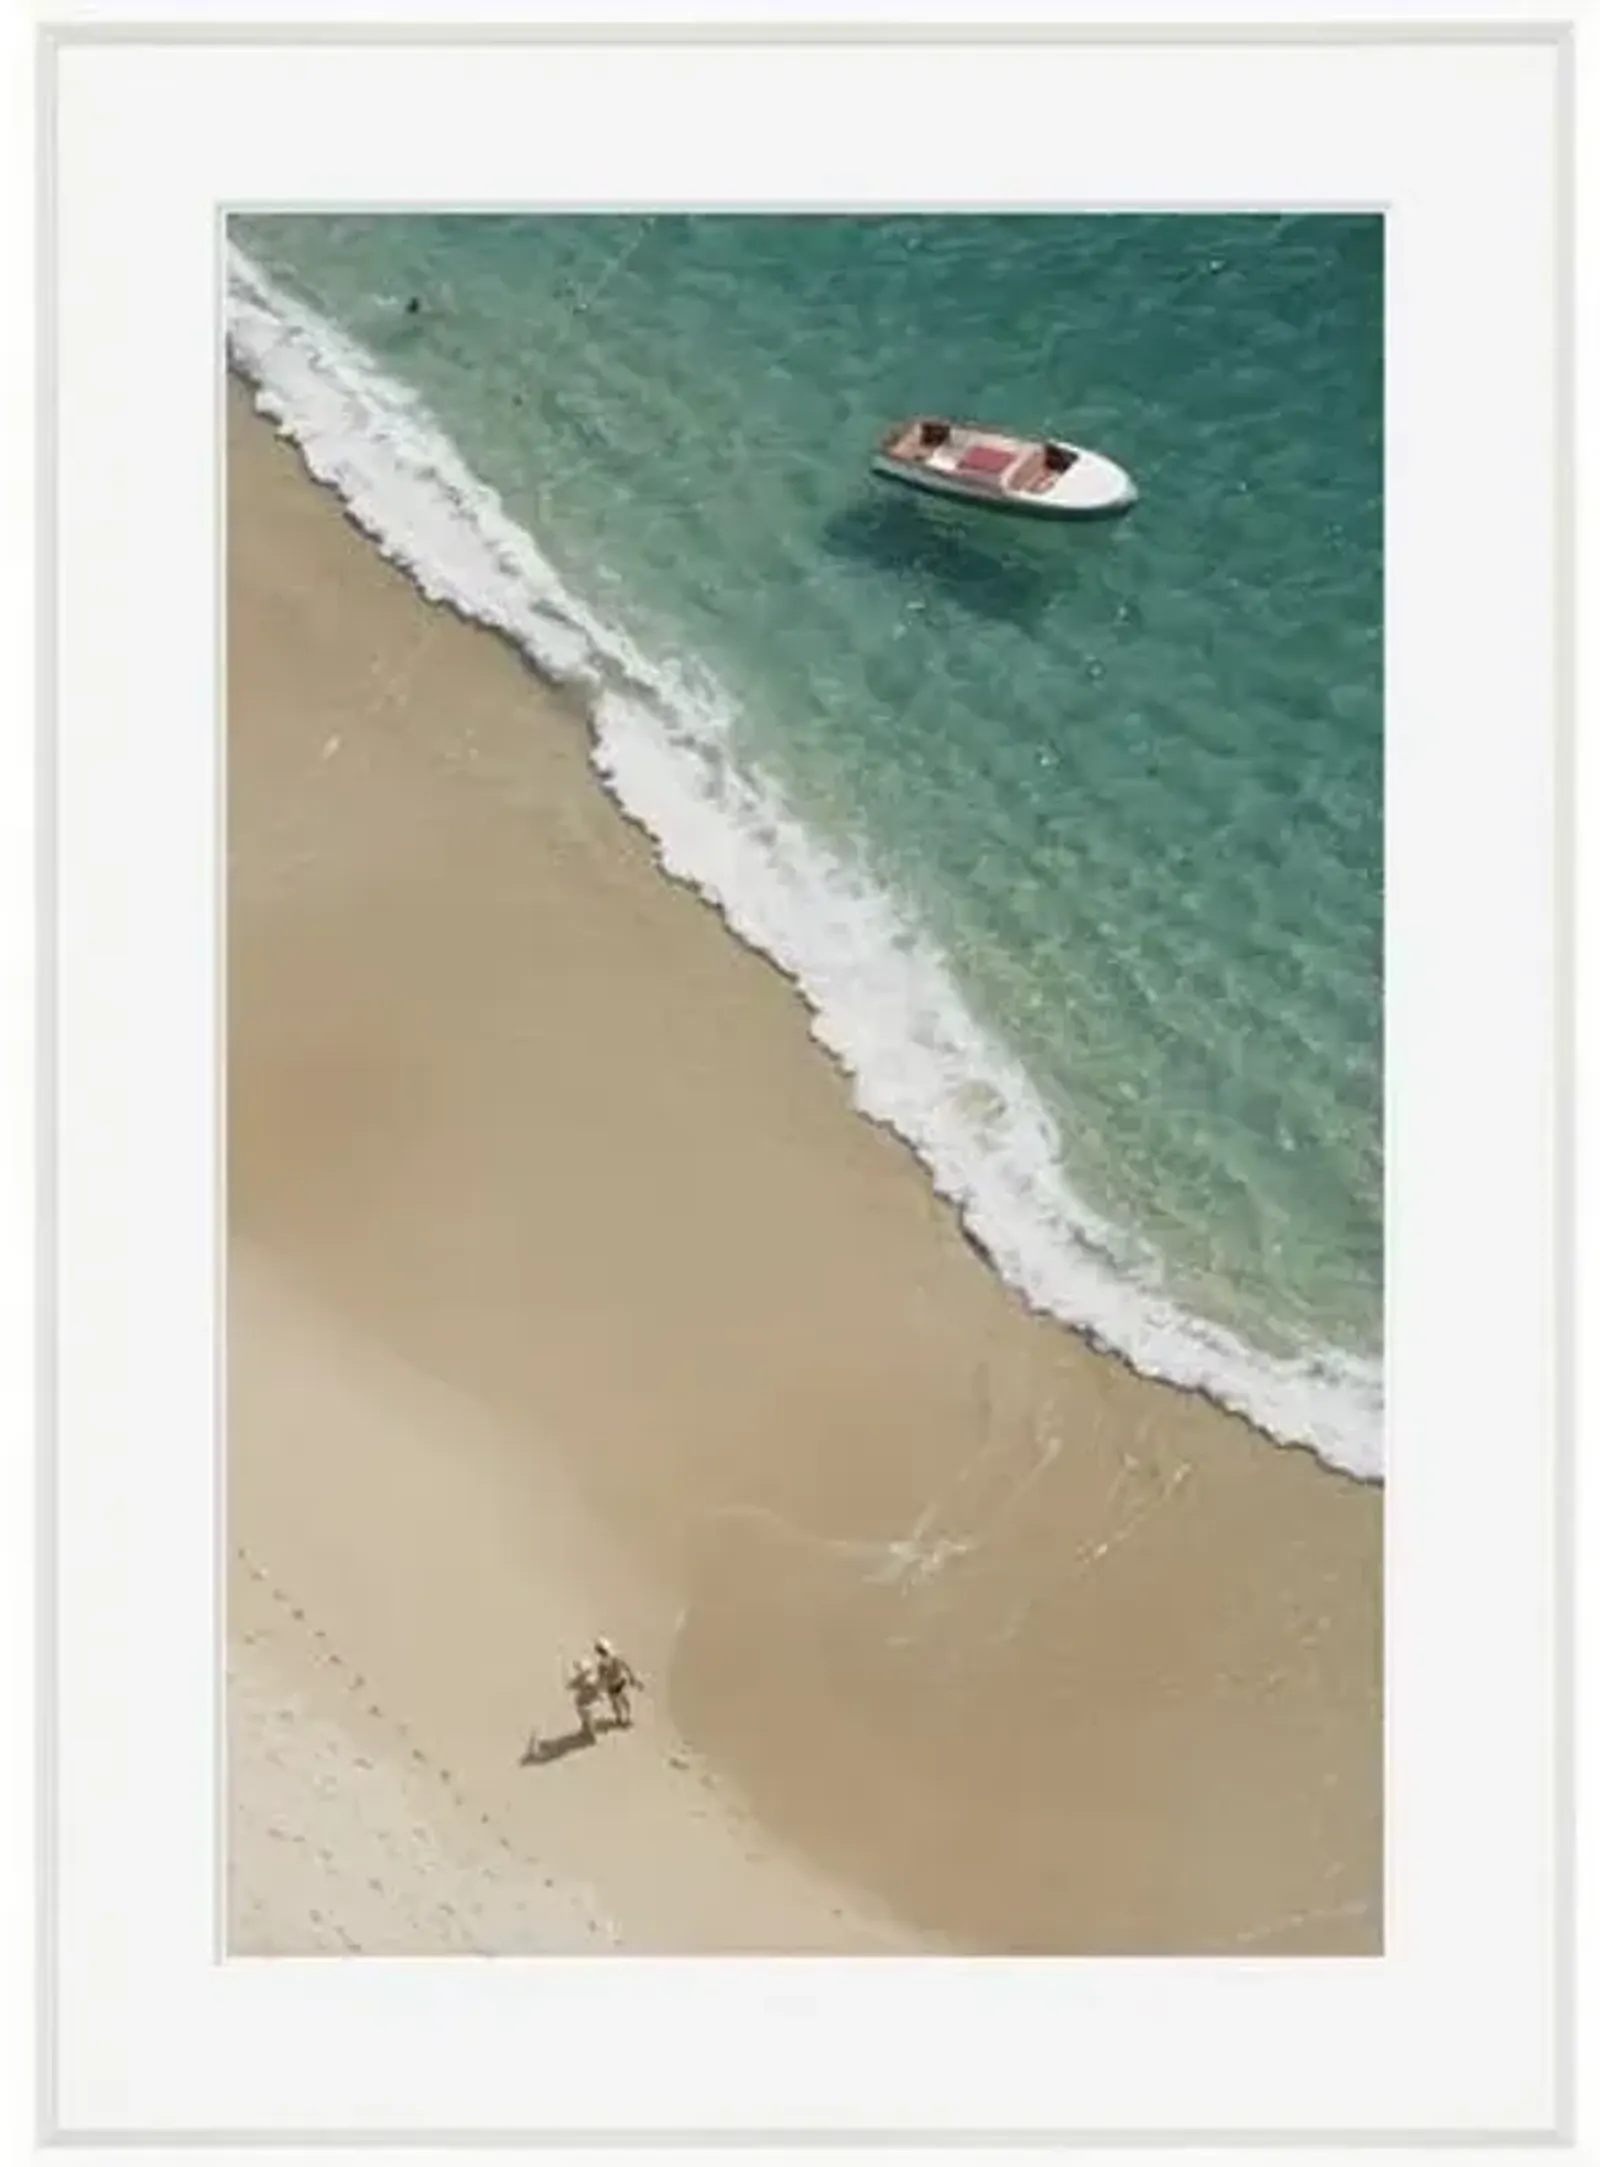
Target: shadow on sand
539, 1750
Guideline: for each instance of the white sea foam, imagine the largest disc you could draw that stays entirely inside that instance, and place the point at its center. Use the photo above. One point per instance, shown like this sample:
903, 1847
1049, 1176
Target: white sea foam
882, 998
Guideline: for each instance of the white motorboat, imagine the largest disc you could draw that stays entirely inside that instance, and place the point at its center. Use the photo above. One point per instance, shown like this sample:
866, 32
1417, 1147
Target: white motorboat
1041, 475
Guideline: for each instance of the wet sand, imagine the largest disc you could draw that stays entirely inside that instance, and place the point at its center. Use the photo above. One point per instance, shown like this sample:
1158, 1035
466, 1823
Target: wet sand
1003, 1640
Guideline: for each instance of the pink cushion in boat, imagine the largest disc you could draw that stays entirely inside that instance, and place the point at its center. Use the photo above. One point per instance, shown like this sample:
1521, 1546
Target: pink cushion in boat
986, 459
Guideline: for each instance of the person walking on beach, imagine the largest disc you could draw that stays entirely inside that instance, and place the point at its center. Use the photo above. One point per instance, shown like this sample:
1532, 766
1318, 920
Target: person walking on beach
616, 1678
584, 1686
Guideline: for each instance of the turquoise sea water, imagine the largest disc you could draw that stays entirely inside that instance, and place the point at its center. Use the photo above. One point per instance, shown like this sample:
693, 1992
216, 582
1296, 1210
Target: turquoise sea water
1072, 835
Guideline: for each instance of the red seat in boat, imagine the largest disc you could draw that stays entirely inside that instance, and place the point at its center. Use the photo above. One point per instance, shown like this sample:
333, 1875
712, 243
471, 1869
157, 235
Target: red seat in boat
986, 458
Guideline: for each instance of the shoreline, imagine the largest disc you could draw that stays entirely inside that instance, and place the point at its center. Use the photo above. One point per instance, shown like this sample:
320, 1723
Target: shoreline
775, 885
978, 1617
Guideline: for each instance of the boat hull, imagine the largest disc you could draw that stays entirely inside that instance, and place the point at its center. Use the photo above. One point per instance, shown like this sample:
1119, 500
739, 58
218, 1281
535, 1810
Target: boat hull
935, 484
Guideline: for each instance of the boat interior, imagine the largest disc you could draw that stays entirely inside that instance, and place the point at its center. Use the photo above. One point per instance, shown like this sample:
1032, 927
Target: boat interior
1017, 467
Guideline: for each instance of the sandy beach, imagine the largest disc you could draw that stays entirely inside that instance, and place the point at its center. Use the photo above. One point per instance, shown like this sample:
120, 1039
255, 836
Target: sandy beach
569, 1292
403, 1769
